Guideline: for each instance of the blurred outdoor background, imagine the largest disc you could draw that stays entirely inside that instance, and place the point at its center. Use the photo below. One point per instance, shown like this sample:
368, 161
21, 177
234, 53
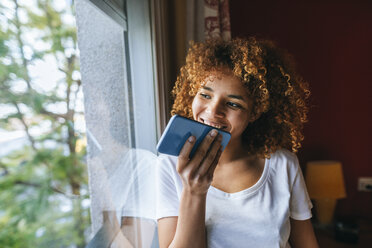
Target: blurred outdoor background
44, 198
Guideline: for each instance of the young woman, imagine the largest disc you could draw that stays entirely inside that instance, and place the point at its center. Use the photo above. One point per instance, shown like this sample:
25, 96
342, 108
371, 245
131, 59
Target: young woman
253, 193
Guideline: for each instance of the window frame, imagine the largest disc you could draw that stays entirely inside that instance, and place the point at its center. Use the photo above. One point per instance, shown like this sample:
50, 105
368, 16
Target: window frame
145, 93
144, 32
114, 9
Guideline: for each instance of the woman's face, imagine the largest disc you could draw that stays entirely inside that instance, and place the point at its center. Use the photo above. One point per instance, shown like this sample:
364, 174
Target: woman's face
223, 102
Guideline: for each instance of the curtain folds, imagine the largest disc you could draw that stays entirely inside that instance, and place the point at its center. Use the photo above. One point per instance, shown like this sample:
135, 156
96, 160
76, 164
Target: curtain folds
217, 19
207, 19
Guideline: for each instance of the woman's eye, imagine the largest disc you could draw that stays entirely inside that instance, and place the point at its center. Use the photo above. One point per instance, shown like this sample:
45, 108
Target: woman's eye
234, 105
206, 96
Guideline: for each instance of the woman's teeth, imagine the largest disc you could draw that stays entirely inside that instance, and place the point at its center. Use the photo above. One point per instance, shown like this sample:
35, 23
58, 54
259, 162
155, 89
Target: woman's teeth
213, 124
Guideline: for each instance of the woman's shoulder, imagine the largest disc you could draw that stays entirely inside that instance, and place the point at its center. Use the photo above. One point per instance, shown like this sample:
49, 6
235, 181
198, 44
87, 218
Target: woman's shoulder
284, 154
284, 167
284, 159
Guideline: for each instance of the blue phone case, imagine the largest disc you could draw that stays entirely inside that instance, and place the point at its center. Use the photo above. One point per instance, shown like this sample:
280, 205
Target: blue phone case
179, 129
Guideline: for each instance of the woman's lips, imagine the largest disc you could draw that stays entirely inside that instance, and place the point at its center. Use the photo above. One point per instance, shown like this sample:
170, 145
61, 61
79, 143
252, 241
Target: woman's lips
213, 124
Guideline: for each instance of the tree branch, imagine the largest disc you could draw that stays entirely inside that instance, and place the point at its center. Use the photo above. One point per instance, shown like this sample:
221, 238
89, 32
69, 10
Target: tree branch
54, 189
21, 118
54, 115
21, 44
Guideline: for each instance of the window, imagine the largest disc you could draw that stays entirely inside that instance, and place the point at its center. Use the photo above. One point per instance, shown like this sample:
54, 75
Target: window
118, 66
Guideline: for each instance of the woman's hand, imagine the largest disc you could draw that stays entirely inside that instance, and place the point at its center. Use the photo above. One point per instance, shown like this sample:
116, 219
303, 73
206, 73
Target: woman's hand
188, 229
197, 173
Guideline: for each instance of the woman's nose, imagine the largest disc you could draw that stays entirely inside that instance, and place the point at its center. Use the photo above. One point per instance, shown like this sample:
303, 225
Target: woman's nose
215, 109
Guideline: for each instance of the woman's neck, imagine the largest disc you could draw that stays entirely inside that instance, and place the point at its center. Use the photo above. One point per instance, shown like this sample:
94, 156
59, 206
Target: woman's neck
236, 151
233, 151
236, 170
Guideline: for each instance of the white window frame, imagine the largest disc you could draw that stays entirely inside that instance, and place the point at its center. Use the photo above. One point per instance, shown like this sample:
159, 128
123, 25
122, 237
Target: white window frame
145, 73
143, 31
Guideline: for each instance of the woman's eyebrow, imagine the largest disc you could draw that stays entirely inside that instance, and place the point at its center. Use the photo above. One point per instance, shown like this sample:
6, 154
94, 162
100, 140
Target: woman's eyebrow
239, 97
236, 97
207, 88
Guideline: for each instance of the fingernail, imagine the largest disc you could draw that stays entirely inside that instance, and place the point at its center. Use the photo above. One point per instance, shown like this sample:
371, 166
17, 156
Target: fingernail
213, 132
191, 139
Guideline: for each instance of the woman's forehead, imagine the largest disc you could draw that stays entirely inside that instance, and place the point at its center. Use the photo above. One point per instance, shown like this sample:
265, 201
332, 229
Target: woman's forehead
224, 80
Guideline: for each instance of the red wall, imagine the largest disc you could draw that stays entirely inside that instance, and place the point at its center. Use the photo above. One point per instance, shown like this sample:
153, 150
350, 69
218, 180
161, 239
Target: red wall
331, 42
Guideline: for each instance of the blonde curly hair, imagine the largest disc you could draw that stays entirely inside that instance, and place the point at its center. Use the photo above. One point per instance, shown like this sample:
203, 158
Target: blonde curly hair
278, 93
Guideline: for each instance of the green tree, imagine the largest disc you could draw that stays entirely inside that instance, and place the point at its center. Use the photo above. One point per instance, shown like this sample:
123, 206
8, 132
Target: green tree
43, 186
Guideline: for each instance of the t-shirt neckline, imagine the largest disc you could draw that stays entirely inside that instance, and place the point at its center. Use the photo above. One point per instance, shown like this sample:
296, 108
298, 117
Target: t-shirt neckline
245, 192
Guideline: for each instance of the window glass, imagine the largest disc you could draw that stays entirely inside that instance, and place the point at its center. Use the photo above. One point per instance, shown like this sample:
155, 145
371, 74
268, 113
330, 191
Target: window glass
118, 81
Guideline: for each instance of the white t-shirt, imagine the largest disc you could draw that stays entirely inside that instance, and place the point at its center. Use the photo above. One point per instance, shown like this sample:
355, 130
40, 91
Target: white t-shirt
255, 217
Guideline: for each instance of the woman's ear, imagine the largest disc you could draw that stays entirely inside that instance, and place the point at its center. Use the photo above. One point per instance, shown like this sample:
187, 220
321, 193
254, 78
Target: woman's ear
253, 117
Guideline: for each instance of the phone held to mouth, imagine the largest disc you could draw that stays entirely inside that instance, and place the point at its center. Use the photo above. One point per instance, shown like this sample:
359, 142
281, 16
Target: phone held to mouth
179, 129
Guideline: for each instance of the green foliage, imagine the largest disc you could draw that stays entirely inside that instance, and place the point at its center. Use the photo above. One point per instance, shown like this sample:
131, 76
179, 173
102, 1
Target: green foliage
43, 185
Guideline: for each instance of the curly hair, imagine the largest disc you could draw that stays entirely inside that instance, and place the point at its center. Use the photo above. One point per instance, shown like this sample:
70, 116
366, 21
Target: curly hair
268, 73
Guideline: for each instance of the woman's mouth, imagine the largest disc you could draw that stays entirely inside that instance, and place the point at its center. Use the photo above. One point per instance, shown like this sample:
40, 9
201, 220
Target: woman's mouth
213, 124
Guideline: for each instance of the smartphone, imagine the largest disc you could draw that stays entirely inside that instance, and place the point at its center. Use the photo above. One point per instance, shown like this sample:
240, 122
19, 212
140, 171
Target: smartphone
179, 129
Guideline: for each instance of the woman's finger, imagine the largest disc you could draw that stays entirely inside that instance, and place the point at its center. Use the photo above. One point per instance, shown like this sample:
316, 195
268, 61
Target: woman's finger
183, 157
204, 147
210, 157
211, 169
